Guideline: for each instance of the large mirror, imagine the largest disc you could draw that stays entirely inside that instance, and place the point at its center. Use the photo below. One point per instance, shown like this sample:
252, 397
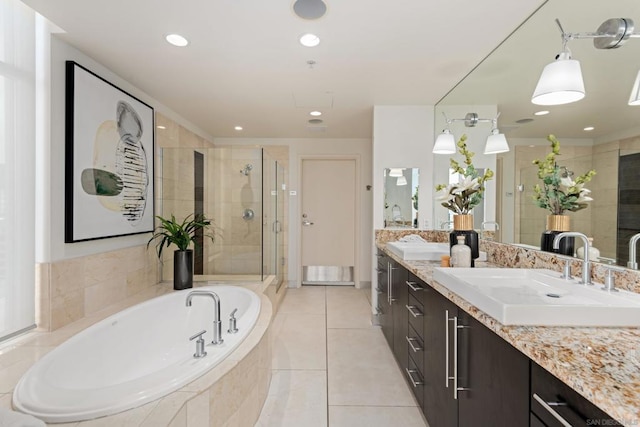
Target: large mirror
401, 197
600, 132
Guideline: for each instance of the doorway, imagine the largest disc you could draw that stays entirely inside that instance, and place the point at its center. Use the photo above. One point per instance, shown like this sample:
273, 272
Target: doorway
329, 221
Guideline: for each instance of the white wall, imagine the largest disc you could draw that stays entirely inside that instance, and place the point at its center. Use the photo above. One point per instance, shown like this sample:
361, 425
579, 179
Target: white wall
318, 146
52, 148
403, 137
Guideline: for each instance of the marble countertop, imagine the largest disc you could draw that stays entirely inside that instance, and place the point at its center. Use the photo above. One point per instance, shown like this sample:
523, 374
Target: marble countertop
601, 364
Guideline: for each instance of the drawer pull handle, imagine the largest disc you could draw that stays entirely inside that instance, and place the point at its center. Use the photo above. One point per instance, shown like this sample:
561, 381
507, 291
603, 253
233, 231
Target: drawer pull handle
414, 286
414, 311
548, 407
413, 347
410, 373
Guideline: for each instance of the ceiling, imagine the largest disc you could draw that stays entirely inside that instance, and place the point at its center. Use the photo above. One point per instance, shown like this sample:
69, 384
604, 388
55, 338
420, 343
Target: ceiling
507, 78
244, 65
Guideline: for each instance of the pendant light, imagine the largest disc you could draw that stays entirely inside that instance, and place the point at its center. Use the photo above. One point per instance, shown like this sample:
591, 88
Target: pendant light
634, 98
560, 83
445, 143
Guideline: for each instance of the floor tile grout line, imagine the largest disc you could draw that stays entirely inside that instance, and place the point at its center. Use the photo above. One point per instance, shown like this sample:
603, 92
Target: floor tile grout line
326, 347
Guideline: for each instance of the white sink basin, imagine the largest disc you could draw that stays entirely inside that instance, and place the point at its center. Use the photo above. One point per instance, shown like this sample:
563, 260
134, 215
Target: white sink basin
419, 250
520, 296
424, 251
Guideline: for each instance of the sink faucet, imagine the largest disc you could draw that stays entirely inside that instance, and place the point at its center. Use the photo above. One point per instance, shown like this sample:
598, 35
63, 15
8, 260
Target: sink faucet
633, 263
443, 224
586, 264
217, 324
495, 224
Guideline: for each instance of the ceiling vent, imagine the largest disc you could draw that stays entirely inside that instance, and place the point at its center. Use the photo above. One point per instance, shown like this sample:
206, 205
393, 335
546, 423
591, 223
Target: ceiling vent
309, 9
317, 129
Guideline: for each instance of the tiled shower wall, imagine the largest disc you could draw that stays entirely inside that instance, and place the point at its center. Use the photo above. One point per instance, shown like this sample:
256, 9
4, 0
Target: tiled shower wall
71, 289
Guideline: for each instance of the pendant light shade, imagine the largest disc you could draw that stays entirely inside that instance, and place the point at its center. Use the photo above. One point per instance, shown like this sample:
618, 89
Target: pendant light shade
560, 83
401, 181
634, 98
496, 143
395, 172
445, 143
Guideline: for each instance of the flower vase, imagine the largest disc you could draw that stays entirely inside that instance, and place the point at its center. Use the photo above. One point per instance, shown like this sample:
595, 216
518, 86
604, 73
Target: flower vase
183, 269
463, 226
557, 224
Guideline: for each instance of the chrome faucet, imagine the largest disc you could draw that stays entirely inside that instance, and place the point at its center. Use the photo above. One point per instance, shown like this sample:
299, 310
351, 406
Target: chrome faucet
217, 324
586, 264
633, 262
495, 224
445, 223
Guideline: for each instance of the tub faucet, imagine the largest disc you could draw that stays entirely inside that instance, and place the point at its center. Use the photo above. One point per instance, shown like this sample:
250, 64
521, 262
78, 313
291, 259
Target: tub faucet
217, 324
633, 263
586, 264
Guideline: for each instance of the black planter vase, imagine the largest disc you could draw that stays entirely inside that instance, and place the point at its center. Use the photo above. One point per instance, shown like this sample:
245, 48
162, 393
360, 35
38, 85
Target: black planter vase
183, 269
463, 226
557, 224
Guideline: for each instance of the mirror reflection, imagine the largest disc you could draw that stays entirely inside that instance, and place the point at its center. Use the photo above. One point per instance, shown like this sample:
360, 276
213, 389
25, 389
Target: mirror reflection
599, 132
401, 197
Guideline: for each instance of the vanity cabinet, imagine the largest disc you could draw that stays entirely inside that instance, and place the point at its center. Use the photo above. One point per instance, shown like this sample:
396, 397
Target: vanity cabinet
461, 373
555, 404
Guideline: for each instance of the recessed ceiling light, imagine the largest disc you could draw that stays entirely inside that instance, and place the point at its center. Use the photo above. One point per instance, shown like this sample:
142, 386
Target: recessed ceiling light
309, 40
525, 120
589, 128
161, 127
176, 40
315, 121
541, 113
315, 113
238, 128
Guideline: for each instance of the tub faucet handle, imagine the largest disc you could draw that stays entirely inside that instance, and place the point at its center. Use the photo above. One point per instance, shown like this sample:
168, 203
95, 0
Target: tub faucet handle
199, 344
232, 322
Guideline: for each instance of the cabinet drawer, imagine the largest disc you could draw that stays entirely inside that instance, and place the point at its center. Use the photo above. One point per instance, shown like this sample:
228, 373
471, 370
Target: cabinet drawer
552, 399
416, 315
417, 288
415, 348
416, 381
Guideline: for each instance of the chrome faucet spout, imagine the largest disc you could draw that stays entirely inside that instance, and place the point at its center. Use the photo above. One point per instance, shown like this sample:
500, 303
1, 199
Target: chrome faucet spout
586, 264
217, 324
633, 243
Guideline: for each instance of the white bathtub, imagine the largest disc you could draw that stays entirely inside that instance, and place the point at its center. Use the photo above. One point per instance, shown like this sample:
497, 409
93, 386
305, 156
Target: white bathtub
133, 357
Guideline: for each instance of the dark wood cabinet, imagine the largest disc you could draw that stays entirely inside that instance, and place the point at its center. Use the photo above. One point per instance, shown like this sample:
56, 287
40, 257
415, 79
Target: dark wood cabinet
493, 377
440, 405
462, 373
552, 400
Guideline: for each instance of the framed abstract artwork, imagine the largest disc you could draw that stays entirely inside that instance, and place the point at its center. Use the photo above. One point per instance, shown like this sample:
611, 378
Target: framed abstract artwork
108, 159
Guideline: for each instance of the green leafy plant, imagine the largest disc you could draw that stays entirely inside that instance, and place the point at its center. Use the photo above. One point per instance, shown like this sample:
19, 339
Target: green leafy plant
415, 198
463, 196
559, 192
182, 234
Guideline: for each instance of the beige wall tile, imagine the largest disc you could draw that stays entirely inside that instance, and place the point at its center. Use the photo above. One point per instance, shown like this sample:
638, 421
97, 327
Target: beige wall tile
67, 308
43, 296
105, 293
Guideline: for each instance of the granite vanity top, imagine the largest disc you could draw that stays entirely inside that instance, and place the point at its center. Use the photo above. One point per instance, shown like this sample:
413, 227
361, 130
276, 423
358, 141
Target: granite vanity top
601, 364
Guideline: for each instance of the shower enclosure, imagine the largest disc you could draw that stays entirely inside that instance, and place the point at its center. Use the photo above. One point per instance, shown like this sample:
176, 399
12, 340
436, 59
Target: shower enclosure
242, 190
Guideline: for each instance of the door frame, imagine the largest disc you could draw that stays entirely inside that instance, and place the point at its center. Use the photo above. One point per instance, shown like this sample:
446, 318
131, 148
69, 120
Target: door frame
357, 226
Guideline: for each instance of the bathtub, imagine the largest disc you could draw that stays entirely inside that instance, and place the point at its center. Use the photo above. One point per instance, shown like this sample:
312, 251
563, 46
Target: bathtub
133, 357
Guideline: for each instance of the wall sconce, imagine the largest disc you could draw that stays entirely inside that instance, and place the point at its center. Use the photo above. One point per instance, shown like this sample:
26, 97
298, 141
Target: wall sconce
561, 81
401, 181
396, 172
496, 142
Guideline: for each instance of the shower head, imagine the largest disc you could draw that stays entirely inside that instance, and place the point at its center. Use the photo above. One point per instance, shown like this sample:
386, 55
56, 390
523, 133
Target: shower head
247, 169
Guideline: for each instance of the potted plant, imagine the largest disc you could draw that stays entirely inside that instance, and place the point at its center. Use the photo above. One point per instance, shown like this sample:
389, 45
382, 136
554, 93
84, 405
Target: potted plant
463, 196
181, 234
559, 193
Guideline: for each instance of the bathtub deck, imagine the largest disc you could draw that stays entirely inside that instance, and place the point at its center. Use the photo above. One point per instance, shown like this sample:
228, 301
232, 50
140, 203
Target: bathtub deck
325, 352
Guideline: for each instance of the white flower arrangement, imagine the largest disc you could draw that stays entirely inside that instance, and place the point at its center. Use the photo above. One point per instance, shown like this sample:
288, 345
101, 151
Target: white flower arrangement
463, 196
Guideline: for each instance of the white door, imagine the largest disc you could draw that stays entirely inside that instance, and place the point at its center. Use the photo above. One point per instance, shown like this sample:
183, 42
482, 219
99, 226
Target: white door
328, 221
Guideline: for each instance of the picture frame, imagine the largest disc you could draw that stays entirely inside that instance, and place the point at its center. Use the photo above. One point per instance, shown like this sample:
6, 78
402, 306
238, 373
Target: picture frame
109, 159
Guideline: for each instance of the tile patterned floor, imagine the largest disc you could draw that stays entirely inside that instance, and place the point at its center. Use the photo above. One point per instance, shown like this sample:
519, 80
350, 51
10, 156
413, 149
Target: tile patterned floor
331, 367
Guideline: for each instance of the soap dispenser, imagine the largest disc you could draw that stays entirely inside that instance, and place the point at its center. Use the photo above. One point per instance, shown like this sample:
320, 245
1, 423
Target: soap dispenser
460, 254
594, 253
